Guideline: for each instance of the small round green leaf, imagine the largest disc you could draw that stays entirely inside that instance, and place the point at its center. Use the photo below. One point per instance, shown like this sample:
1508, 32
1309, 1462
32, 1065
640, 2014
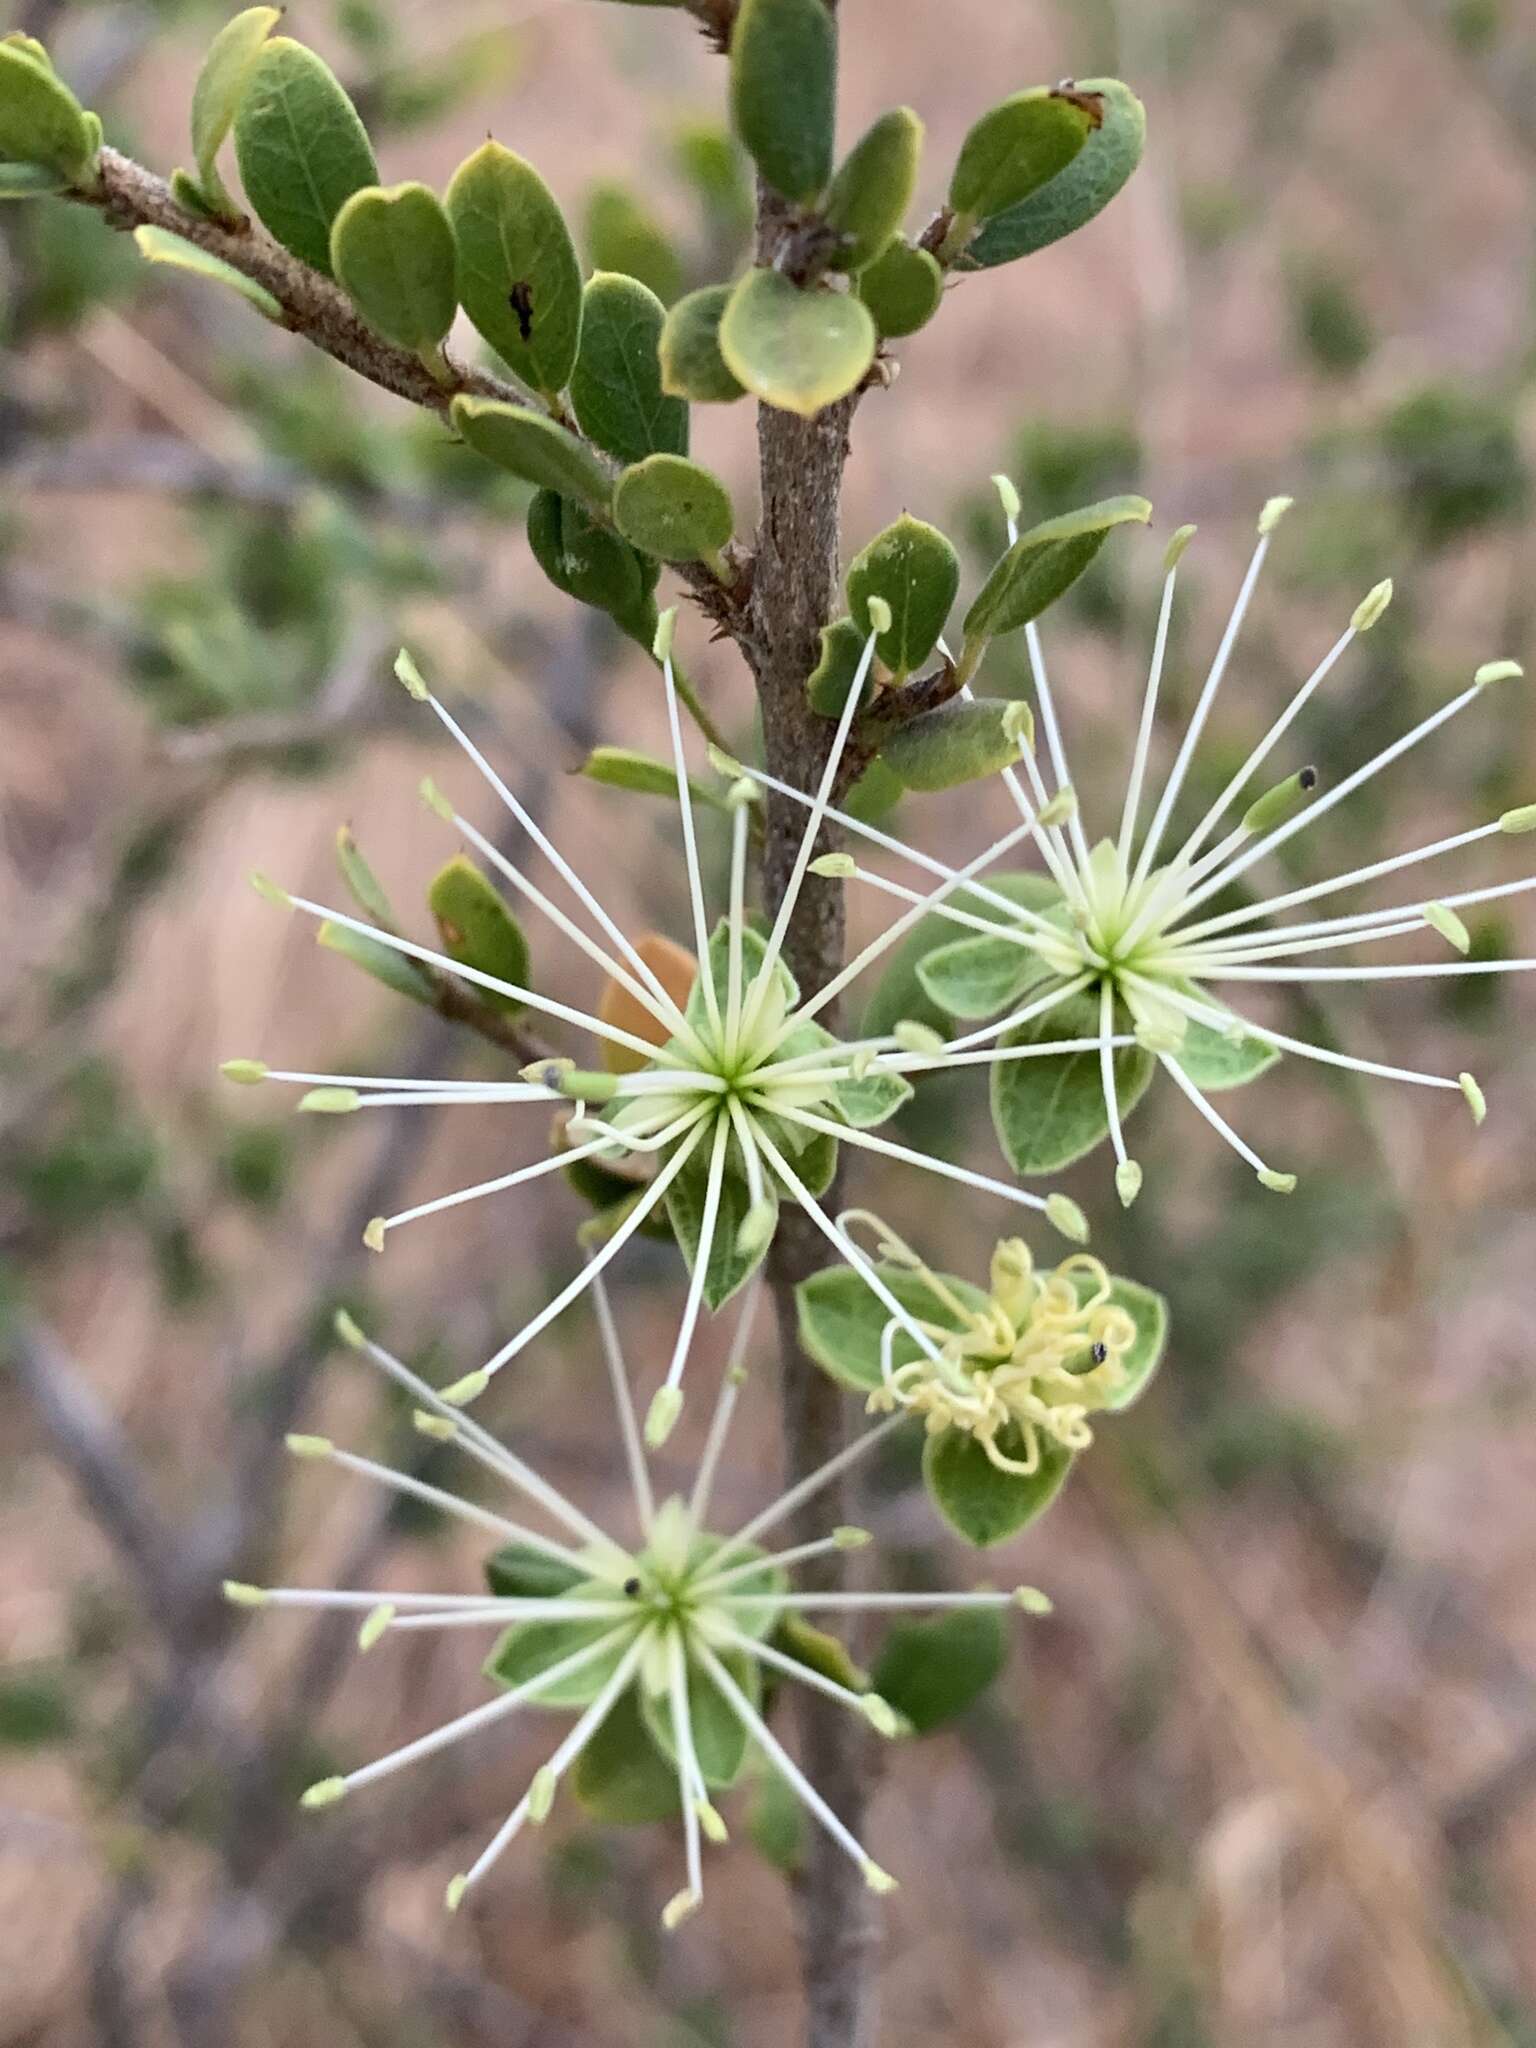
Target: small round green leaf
931, 1671
1043, 563
219, 89
1049, 1110
622, 234
917, 572
1017, 146
519, 278
532, 447
591, 563
692, 366
873, 187
30, 181
301, 148
41, 121
616, 386
798, 350
842, 651
903, 289
1072, 198
478, 929
960, 742
717, 172
674, 509
159, 245
784, 92
982, 1503
393, 254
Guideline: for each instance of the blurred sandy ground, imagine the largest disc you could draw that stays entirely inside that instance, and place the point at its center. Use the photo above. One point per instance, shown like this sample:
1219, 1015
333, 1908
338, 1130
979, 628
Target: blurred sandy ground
1211, 1805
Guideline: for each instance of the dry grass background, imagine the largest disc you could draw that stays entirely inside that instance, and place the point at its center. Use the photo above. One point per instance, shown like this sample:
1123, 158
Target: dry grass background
1269, 1774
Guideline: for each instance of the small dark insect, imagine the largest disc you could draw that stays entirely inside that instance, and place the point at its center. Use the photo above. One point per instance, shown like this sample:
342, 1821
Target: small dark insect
520, 299
632, 1587
1099, 1353
1307, 779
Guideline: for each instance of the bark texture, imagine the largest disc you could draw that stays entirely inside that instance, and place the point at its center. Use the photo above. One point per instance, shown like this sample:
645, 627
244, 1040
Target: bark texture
794, 594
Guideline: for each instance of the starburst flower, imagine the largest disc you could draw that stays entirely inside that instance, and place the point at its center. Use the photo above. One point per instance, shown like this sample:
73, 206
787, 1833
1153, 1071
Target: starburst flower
740, 1095
1123, 934
666, 1643
1021, 1365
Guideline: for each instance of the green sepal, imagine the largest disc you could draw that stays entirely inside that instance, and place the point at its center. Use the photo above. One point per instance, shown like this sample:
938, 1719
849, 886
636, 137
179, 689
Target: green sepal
784, 92
932, 1671
692, 366
1043, 563
519, 1572
159, 245
982, 1503
869, 197
375, 958
719, 1738
366, 889
529, 1647
960, 742
645, 775
1214, 1061
301, 148
900, 994
828, 684
798, 350
754, 950
616, 385
674, 509
861, 1104
728, 1269
217, 94
519, 278
41, 122
818, 1651
621, 1778
842, 1321
478, 930
612, 1195
875, 1100
1148, 1310
621, 234
1018, 146
535, 448
392, 252
1072, 198
776, 1820
1050, 1111
917, 572
903, 289
980, 977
